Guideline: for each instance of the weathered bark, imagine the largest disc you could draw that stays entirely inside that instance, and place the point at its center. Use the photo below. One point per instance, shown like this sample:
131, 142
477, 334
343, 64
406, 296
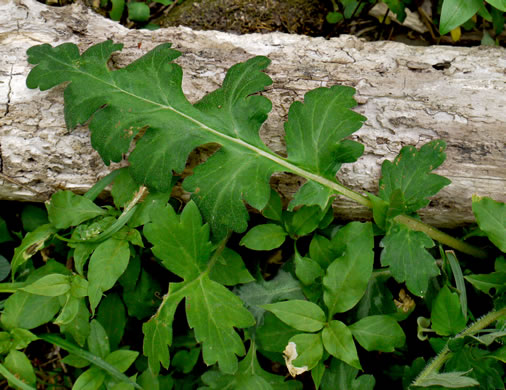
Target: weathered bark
410, 95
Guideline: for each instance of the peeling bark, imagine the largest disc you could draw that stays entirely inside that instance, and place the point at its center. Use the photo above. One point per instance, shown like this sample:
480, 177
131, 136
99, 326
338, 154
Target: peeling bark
410, 96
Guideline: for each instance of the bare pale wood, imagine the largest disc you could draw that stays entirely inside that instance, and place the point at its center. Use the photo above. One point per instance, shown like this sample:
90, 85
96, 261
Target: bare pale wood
410, 95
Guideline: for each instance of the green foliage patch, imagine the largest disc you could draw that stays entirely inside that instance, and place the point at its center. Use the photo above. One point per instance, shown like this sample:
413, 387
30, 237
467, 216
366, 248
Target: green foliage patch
148, 293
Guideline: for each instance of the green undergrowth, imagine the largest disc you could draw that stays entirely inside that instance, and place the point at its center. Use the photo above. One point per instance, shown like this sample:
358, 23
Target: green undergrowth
143, 291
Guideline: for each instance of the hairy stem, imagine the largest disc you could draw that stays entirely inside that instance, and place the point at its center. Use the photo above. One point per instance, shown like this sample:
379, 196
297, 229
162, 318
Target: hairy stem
444, 355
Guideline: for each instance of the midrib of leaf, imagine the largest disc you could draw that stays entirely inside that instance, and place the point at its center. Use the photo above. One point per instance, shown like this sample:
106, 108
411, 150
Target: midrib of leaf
265, 154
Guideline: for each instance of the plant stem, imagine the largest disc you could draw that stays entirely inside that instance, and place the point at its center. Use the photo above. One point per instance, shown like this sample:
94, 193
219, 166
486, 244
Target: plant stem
444, 355
438, 235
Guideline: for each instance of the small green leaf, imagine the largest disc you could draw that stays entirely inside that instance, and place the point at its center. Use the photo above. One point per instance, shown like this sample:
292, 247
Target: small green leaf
273, 334
301, 315
107, 264
491, 218
264, 237
309, 349
274, 209
78, 326
21, 338
52, 285
334, 17
404, 251
138, 11
456, 12
406, 183
141, 300
121, 359
347, 277
117, 9
79, 287
98, 341
5, 268
19, 365
338, 341
68, 209
486, 282
31, 244
111, 314
303, 221
184, 360
91, 379
378, 333
398, 8
123, 188
306, 269
447, 318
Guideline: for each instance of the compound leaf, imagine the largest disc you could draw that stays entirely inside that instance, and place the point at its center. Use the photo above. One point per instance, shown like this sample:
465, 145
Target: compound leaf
182, 244
404, 251
145, 98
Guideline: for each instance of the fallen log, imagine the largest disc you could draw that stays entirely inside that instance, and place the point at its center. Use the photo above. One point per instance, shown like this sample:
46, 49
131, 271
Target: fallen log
410, 96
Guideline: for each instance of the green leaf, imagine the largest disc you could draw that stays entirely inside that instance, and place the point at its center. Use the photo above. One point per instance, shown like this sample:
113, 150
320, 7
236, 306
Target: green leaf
306, 269
406, 183
334, 17
230, 270
184, 360
182, 244
377, 298
91, 379
79, 326
273, 334
282, 286
98, 341
5, 268
138, 11
477, 364
398, 8
491, 218
31, 244
378, 333
301, 315
107, 264
13, 379
313, 133
347, 277
111, 314
28, 311
117, 9
141, 301
19, 365
321, 251
304, 220
158, 336
21, 338
340, 375
264, 237
499, 4
250, 376
52, 285
122, 359
486, 282
68, 209
447, 318
338, 341
124, 187
123, 102
96, 360
274, 209
5, 236
32, 217
309, 348
404, 251
452, 380
456, 12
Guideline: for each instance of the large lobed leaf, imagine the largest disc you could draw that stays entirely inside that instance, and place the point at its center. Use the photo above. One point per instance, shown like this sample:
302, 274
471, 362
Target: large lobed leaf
182, 244
146, 98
